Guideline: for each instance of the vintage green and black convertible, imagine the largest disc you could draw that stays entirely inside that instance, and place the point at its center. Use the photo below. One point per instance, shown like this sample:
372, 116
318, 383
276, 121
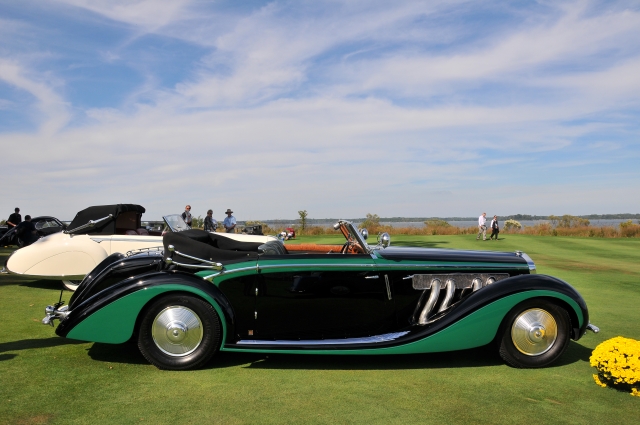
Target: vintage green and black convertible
203, 292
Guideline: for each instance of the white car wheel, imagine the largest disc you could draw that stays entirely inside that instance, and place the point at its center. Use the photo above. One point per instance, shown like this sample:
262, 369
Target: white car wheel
71, 285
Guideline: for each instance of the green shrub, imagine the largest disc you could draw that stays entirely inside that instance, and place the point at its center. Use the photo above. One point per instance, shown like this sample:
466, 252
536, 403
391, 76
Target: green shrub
512, 224
436, 222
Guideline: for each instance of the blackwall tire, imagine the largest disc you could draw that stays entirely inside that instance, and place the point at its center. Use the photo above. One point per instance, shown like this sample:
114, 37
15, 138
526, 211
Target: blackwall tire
534, 334
179, 332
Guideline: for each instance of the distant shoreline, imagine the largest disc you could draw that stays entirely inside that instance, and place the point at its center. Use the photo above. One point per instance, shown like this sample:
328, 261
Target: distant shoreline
517, 217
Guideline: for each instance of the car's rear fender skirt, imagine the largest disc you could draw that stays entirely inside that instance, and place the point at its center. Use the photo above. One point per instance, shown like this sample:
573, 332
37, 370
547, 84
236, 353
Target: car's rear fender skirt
111, 316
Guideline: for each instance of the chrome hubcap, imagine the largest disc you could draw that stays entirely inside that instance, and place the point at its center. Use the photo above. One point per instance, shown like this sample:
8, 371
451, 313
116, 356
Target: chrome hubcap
534, 332
177, 331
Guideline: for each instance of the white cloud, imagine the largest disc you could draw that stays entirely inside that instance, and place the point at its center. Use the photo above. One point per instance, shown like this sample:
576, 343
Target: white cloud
147, 14
49, 103
514, 56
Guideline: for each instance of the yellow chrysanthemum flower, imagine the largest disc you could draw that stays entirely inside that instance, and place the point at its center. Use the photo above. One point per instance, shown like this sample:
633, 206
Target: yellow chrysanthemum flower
618, 363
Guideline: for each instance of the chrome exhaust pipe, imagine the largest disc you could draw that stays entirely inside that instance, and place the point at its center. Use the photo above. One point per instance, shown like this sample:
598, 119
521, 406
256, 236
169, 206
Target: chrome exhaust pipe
431, 302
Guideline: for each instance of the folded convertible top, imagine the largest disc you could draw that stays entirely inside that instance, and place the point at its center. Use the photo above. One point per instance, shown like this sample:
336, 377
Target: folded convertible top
108, 227
209, 246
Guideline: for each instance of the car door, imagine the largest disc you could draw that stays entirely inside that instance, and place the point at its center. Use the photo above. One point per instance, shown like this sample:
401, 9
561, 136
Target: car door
330, 296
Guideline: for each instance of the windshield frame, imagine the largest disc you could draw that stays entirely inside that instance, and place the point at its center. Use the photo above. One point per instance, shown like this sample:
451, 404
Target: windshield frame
354, 235
175, 222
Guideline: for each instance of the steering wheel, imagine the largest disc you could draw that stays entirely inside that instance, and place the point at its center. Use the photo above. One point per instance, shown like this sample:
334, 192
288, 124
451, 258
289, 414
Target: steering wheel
350, 247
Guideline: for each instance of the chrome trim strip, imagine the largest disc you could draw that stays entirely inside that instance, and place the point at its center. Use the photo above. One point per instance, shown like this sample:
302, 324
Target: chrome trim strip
226, 272
259, 267
217, 266
346, 341
388, 266
324, 266
90, 223
153, 239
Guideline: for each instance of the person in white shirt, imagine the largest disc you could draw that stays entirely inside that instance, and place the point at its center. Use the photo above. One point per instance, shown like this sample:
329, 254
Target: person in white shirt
482, 226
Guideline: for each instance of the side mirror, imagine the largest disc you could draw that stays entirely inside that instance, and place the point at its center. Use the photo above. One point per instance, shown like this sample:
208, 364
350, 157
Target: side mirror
364, 233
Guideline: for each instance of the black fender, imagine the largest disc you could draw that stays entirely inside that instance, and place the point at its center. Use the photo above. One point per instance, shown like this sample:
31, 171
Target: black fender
88, 306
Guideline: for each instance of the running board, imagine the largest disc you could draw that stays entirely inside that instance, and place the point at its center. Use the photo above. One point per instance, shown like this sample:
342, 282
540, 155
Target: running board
342, 341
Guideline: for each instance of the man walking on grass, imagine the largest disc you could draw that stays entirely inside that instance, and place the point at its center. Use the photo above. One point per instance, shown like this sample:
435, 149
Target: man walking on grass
482, 226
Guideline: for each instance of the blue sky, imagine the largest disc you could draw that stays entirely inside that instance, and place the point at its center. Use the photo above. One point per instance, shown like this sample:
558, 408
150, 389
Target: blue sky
342, 108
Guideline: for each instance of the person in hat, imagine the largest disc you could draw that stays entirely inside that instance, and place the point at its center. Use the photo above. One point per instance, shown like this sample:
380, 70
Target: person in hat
229, 221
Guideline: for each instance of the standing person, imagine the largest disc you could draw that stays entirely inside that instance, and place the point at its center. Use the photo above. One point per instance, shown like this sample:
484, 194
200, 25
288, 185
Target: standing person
26, 232
495, 229
14, 219
210, 223
482, 226
186, 215
229, 221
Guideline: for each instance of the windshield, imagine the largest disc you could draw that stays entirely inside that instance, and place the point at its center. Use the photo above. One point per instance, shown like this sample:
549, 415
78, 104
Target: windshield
176, 223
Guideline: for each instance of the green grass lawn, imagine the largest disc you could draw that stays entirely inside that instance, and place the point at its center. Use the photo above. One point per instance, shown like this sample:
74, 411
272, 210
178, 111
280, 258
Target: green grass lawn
47, 379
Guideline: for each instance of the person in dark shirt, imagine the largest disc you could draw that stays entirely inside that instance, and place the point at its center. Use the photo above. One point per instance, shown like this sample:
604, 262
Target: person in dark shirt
26, 232
210, 223
14, 219
495, 228
186, 215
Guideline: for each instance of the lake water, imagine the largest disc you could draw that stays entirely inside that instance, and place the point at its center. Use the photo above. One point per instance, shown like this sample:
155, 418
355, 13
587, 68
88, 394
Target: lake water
474, 223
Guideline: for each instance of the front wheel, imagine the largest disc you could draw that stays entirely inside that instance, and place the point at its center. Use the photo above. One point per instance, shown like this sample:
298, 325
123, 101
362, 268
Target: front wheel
535, 334
179, 332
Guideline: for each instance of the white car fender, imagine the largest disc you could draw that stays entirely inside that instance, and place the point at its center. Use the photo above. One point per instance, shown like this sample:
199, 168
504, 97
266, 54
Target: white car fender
58, 256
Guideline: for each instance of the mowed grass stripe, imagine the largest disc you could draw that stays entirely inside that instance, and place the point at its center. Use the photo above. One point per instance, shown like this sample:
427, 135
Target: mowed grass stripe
46, 379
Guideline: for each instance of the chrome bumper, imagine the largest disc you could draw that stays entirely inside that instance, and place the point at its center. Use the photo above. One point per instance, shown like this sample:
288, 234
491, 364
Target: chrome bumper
53, 313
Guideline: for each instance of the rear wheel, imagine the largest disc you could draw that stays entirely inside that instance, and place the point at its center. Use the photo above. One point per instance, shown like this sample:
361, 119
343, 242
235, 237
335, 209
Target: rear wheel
179, 332
535, 334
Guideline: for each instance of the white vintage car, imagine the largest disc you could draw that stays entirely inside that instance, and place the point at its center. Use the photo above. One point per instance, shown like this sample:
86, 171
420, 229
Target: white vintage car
93, 235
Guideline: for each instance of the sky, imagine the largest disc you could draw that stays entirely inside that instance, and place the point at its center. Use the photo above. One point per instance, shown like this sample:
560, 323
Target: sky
340, 108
